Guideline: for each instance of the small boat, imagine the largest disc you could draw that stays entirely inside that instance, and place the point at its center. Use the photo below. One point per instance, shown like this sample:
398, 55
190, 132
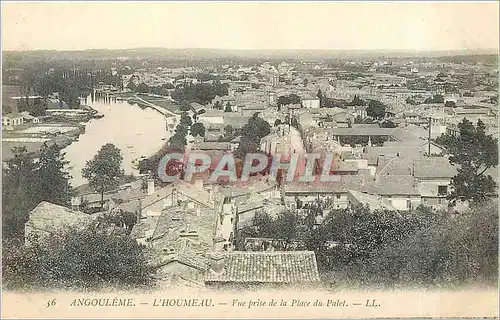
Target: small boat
162, 139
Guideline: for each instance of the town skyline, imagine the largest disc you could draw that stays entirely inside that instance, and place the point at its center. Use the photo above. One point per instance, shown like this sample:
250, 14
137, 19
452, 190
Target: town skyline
378, 26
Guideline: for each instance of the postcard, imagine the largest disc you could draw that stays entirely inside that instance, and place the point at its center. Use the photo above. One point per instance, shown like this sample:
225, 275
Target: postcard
250, 159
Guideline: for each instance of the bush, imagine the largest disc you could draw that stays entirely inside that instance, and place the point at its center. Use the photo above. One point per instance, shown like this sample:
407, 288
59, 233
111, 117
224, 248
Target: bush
97, 256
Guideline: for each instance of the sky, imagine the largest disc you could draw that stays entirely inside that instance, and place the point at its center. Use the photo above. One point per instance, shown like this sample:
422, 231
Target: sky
251, 25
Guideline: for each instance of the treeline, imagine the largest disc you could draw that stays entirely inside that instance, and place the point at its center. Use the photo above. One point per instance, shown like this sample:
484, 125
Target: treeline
358, 247
163, 90
202, 93
175, 144
70, 84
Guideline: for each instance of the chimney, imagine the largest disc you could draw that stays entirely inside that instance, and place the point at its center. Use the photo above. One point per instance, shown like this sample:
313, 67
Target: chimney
217, 262
151, 186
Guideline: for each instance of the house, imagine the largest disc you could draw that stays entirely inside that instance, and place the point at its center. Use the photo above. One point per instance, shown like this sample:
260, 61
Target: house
48, 219
470, 112
246, 209
310, 103
249, 269
197, 108
179, 239
338, 115
279, 142
235, 143
400, 191
357, 111
434, 178
193, 196
220, 146
212, 117
12, 119
298, 194
29, 118
375, 202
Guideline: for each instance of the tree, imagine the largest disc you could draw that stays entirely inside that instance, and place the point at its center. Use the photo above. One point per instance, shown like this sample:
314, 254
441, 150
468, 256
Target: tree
90, 257
185, 120
143, 88
305, 82
286, 226
320, 97
198, 129
184, 107
474, 152
289, 99
178, 140
218, 105
104, 171
450, 104
228, 107
251, 134
52, 178
277, 122
26, 183
437, 98
131, 85
388, 124
119, 218
356, 101
375, 109
18, 193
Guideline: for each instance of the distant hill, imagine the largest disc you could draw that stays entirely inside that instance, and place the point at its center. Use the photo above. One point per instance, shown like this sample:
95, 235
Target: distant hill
195, 54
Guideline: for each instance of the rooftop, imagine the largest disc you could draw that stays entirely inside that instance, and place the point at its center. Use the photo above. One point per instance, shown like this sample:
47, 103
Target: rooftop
290, 267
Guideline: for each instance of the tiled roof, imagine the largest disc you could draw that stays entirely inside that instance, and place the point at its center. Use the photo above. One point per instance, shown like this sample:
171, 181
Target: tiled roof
213, 146
52, 218
267, 267
393, 185
434, 168
373, 201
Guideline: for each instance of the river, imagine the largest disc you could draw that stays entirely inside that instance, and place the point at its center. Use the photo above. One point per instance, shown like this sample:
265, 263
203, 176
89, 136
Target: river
135, 131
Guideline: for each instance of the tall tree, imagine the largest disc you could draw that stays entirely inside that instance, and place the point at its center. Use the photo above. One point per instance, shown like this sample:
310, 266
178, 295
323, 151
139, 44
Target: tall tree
251, 134
376, 109
18, 193
474, 152
52, 178
198, 129
104, 171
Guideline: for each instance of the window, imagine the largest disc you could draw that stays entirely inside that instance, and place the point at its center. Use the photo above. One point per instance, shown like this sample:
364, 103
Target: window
442, 190
408, 204
338, 196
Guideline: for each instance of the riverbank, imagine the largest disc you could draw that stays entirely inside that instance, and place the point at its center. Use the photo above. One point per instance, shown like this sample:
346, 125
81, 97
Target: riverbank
164, 105
137, 132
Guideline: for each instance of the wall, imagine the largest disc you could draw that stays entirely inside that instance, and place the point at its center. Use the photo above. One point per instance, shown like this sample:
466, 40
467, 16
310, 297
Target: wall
340, 200
429, 188
209, 120
400, 202
313, 103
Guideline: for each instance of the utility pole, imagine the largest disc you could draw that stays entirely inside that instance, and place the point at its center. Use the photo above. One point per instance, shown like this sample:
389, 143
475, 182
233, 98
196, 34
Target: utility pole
429, 144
